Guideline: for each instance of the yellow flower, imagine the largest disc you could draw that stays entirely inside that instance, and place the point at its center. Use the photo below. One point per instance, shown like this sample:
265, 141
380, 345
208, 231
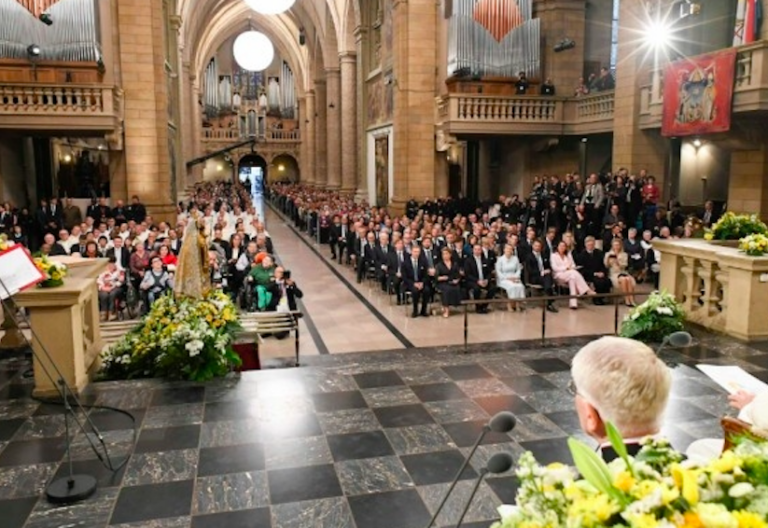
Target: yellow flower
716, 516
709, 236
750, 520
691, 520
645, 520
624, 481
687, 481
725, 464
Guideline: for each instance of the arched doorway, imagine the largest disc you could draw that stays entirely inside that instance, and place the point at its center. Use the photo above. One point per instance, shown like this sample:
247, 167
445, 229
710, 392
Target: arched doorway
252, 170
285, 168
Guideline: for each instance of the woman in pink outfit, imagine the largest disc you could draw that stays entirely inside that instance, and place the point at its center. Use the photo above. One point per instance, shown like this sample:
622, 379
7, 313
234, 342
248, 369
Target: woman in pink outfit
565, 273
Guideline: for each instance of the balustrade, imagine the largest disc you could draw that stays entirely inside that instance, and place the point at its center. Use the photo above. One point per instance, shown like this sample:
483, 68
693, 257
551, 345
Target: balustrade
595, 106
719, 287
233, 134
52, 99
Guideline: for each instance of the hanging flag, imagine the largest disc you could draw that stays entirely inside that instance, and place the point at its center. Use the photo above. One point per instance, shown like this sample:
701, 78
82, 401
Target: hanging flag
749, 22
738, 30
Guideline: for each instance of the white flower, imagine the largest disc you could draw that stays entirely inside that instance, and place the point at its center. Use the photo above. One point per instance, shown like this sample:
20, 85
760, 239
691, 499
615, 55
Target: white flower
194, 347
742, 489
663, 310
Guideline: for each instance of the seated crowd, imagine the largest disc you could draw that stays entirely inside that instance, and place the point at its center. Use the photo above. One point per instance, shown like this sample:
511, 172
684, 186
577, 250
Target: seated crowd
568, 237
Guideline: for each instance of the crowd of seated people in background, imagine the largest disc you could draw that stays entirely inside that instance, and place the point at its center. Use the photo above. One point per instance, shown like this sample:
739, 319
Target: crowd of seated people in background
582, 237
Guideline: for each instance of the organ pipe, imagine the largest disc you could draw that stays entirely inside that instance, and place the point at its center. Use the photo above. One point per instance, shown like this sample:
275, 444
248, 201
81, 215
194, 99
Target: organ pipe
289, 92
498, 38
73, 37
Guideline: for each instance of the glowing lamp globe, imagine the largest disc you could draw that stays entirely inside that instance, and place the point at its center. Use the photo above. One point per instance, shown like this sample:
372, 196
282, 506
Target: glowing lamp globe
270, 7
253, 51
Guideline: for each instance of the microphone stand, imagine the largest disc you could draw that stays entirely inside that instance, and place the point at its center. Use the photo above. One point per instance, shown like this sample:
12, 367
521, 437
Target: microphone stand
475, 487
71, 488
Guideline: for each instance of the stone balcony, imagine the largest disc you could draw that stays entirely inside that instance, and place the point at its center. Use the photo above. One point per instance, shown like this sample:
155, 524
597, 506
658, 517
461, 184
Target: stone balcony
471, 114
750, 89
271, 143
60, 107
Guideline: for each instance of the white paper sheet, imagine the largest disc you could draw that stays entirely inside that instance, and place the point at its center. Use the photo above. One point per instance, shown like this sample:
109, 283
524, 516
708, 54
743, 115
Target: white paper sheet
17, 272
733, 379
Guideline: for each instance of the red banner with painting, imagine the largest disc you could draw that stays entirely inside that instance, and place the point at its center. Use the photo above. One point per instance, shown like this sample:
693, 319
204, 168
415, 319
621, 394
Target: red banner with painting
698, 94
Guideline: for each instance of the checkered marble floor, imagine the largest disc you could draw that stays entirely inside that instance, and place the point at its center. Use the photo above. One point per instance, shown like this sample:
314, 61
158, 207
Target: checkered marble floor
356, 440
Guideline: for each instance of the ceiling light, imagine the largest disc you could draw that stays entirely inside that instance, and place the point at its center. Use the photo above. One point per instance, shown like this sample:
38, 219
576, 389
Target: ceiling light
658, 34
270, 7
253, 51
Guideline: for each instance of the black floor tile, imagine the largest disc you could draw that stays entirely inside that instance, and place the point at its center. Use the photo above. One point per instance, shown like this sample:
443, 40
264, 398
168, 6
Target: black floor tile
14, 512
505, 488
258, 518
760, 361
435, 468
105, 478
229, 410
403, 416
108, 420
465, 434
466, 372
154, 501
700, 352
548, 365
33, 452
507, 402
168, 438
568, 421
8, 428
438, 392
679, 410
338, 401
526, 384
354, 446
372, 380
178, 396
403, 509
549, 450
230, 459
305, 483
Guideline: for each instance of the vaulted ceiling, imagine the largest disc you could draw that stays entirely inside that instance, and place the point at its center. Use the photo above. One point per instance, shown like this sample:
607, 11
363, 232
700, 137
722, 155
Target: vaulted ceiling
328, 25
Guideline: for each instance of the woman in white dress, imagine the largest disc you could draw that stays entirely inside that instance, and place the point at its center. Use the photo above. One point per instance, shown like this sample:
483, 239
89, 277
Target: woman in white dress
508, 271
617, 262
565, 273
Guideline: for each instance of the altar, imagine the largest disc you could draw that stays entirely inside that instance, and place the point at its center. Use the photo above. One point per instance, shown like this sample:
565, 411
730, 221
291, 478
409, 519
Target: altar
65, 323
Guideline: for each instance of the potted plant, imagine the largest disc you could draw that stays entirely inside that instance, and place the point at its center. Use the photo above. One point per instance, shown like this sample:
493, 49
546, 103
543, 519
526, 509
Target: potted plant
755, 245
735, 227
656, 318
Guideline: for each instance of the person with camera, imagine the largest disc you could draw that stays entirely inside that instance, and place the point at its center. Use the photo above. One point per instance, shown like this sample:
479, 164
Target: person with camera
287, 290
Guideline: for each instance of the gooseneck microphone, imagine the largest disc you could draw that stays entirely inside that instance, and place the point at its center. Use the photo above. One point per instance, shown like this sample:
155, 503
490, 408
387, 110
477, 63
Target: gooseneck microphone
502, 422
497, 464
675, 340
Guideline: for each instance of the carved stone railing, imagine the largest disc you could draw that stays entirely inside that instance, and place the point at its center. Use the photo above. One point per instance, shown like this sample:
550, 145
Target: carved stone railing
234, 135
494, 114
41, 105
750, 86
720, 288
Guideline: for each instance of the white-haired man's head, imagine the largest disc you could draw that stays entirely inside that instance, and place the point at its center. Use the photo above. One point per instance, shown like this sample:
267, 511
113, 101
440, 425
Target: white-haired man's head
620, 381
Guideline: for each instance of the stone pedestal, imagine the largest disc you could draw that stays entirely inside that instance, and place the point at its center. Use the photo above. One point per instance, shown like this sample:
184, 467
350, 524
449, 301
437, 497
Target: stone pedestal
66, 325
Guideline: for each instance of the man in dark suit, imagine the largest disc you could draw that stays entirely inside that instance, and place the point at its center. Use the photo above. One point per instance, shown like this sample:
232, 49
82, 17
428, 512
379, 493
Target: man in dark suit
366, 256
335, 239
593, 269
550, 242
381, 257
93, 210
395, 263
477, 277
120, 213
119, 252
539, 272
218, 239
628, 383
54, 216
353, 244
708, 216
415, 280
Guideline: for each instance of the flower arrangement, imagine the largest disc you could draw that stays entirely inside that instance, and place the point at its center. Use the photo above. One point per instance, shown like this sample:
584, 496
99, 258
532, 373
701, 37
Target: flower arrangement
734, 227
179, 339
657, 317
54, 271
5, 244
655, 489
754, 245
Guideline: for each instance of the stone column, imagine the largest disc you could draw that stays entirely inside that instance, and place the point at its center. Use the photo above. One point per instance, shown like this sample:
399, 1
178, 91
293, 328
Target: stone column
349, 135
321, 148
747, 184
142, 61
415, 31
333, 127
634, 148
561, 18
361, 41
308, 140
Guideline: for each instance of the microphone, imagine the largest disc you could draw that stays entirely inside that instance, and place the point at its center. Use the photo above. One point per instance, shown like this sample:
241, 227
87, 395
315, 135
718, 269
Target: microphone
675, 340
502, 422
497, 464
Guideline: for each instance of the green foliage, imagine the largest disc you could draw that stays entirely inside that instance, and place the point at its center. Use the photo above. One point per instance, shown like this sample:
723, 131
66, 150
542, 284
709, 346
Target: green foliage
178, 339
656, 318
735, 227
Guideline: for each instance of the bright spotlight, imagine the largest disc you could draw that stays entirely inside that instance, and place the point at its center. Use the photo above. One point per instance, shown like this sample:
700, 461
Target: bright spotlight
33, 50
658, 34
697, 143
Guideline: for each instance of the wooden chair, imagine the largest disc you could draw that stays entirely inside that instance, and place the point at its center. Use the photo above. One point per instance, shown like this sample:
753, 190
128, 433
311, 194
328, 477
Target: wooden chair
736, 429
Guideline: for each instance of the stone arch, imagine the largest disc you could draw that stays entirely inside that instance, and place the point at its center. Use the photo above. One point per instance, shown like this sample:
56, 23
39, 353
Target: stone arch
285, 167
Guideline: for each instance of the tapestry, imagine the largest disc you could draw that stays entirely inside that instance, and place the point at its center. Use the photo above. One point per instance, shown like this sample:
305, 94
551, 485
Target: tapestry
698, 94
382, 170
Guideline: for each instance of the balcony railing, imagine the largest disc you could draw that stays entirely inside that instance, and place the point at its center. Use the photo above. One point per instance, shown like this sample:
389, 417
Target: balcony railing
33, 106
748, 96
234, 135
484, 114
